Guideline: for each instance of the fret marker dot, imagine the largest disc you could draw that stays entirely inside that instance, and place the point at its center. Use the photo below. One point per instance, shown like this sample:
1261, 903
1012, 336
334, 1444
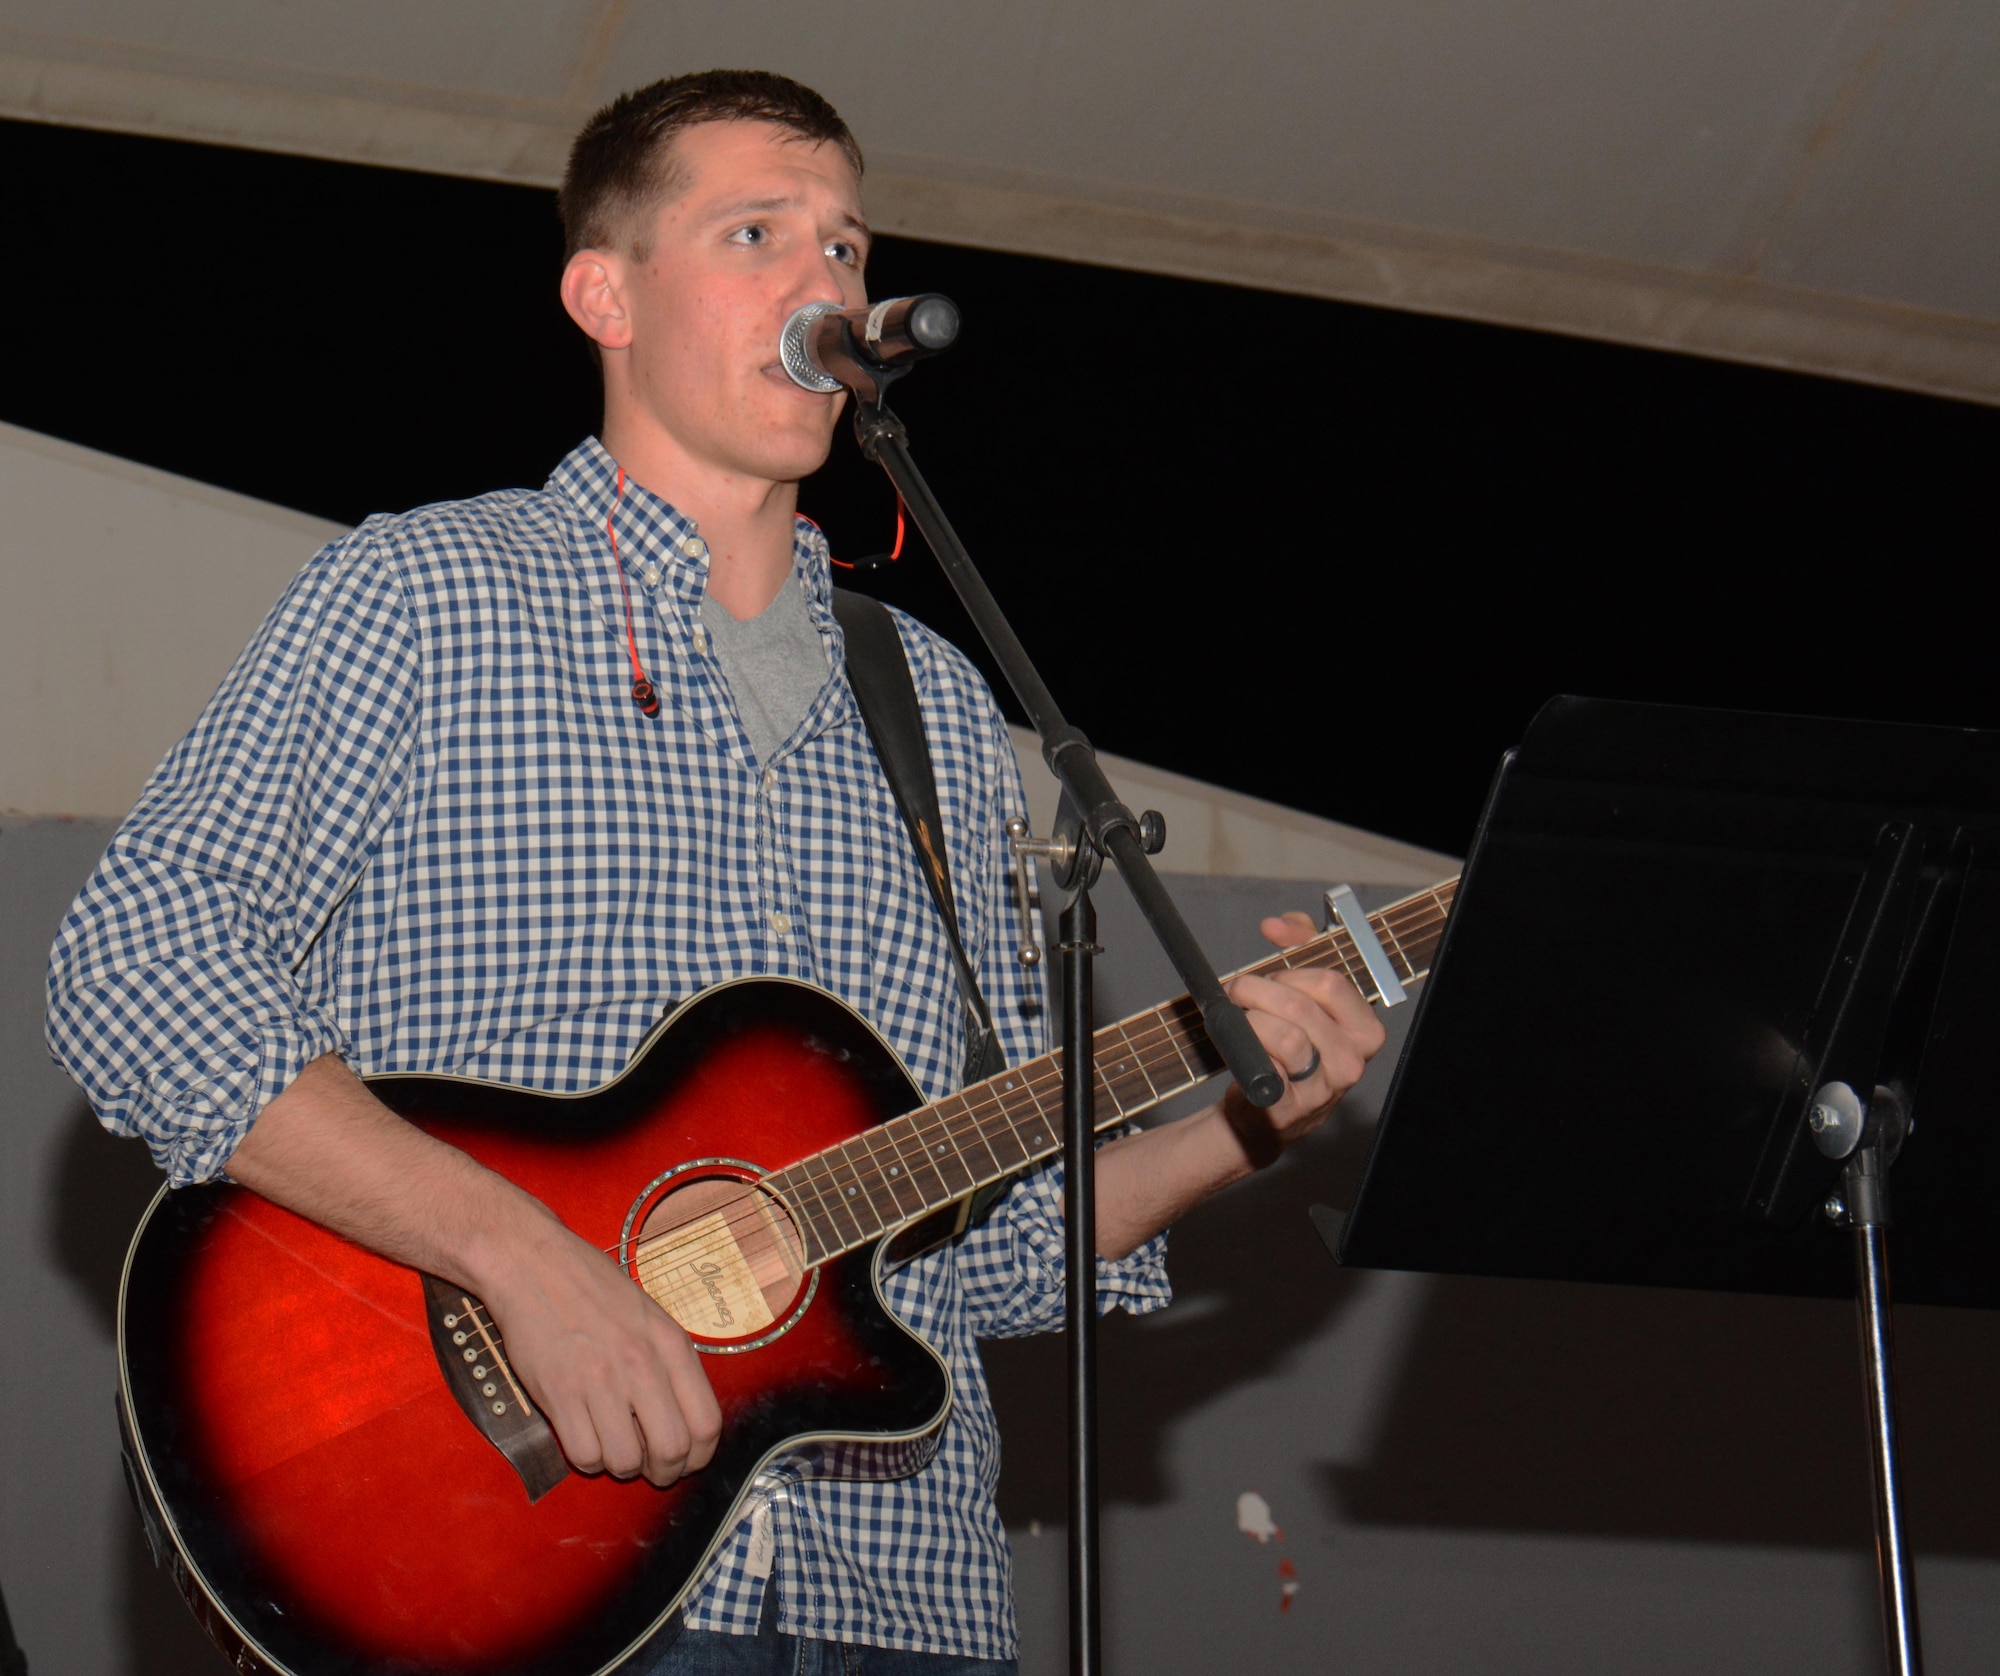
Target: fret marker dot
894, 1171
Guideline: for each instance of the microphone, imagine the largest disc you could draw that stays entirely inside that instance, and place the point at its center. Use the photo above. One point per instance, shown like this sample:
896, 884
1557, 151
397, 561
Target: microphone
825, 347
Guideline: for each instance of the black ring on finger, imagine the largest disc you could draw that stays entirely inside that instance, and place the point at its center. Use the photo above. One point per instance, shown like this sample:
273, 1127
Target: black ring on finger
1306, 1071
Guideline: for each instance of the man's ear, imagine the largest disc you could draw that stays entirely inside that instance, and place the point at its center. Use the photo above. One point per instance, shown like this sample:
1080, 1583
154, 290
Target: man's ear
593, 291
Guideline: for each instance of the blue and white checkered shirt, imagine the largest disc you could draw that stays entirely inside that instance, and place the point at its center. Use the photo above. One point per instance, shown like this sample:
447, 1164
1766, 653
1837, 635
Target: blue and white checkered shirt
423, 825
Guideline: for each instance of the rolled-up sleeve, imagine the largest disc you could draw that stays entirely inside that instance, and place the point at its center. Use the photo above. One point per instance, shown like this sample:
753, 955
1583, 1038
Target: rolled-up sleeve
1012, 1267
175, 986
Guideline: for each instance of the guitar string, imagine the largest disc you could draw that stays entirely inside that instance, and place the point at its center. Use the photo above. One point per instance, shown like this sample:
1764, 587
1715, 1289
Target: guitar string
935, 1120
1323, 951
1320, 952
1156, 1028
798, 1210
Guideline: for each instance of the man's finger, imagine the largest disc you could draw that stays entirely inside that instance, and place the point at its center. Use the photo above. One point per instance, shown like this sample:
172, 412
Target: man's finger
1303, 1022
663, 1430
623, 1445
1330, 993
569, 1418
700, 1412
1289, 930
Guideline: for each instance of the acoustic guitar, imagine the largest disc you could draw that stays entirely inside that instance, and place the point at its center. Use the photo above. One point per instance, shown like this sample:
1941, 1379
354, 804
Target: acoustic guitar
339, 1468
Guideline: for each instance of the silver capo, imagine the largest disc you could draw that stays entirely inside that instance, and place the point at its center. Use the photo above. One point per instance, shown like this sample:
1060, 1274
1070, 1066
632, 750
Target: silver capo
1344, 907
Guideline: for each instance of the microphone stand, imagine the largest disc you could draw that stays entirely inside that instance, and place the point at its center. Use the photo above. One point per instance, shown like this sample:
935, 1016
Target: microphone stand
1092, 826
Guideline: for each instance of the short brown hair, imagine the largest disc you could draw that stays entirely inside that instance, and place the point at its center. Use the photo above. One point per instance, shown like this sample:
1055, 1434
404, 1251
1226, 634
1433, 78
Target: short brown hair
622, 164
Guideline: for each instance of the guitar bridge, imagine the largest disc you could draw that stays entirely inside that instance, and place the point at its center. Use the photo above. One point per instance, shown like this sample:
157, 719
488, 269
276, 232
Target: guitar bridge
477, 1375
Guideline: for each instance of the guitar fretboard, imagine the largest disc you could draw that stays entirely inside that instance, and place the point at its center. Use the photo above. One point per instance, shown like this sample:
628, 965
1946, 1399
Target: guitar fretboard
902, 1170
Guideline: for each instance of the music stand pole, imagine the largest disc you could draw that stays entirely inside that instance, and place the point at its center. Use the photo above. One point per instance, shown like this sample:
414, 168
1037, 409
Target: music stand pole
1077, 933
1092, 827
1864, 1202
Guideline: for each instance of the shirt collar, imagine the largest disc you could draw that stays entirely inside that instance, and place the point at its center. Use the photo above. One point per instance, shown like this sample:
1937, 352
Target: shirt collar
650, 528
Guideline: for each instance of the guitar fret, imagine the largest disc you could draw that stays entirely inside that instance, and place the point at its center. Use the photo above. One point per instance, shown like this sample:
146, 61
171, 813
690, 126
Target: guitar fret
1173, 1041
824, 1209
968, 1131
847, 1227
1395, 948
775, 1223
941, 1148
1008, 1151
818, 1241
823, 1214
1184, 1032
1131, 1088
1357, 970
1042, 1136
1157, 1054
856, 1192
1138, 1062
919, 1168
891, 1174
993, 1129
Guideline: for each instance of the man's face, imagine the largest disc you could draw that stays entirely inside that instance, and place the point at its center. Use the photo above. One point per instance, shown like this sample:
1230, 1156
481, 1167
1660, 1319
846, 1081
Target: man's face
765, 222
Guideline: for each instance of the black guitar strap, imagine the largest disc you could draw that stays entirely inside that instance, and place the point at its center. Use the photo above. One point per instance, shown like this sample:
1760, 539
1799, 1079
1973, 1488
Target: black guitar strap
887, 695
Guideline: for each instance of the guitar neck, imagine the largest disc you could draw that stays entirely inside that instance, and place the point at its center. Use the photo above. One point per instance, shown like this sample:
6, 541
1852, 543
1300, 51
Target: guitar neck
903, 1170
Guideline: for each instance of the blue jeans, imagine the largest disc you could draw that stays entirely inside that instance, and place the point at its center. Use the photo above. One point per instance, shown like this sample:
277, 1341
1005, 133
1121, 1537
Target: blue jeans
696, 1652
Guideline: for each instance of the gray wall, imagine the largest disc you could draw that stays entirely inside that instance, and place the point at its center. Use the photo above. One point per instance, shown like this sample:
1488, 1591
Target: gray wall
1470, 1475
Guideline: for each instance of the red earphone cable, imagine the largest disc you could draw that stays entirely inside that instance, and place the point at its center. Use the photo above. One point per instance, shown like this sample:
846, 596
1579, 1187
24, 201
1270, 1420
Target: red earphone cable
895, 553
642, 689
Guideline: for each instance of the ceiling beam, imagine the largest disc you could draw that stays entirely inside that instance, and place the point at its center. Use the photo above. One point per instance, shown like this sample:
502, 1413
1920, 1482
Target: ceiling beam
524, 141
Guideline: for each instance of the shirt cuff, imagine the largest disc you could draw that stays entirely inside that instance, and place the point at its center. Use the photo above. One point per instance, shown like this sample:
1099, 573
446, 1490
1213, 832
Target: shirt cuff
194, 1116
1136, 1283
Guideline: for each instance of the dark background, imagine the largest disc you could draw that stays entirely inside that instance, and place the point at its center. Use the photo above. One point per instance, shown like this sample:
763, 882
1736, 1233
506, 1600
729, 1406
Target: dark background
1330, 555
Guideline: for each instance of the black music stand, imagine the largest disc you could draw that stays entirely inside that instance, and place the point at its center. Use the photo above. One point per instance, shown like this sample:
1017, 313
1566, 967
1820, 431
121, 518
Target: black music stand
1674, 1032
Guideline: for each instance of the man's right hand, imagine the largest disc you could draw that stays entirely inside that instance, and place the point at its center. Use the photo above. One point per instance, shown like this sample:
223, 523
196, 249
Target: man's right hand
612, 1371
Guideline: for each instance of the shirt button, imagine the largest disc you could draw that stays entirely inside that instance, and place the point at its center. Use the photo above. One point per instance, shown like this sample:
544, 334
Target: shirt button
770, 779
649, 573
694, 547
781, 923
700, 638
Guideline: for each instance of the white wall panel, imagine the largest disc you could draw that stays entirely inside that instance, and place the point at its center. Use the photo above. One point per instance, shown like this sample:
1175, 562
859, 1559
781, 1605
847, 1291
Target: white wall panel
125, 595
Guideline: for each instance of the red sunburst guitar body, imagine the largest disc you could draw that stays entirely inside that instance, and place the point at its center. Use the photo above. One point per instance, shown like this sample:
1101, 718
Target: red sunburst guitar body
318, 1484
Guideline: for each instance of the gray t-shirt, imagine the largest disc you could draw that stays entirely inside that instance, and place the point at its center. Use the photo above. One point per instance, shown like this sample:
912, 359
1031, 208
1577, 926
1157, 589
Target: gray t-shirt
775, 664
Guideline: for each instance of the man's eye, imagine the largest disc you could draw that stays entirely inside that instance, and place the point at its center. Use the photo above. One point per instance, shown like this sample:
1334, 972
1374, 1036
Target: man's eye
842, 251
753, 234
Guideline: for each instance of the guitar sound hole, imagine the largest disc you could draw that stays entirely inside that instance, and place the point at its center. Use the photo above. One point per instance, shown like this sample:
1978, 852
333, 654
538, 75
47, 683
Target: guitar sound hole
722, 1257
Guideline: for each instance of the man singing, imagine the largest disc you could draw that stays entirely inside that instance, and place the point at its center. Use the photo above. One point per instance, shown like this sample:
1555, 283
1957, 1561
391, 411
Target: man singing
499, 781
